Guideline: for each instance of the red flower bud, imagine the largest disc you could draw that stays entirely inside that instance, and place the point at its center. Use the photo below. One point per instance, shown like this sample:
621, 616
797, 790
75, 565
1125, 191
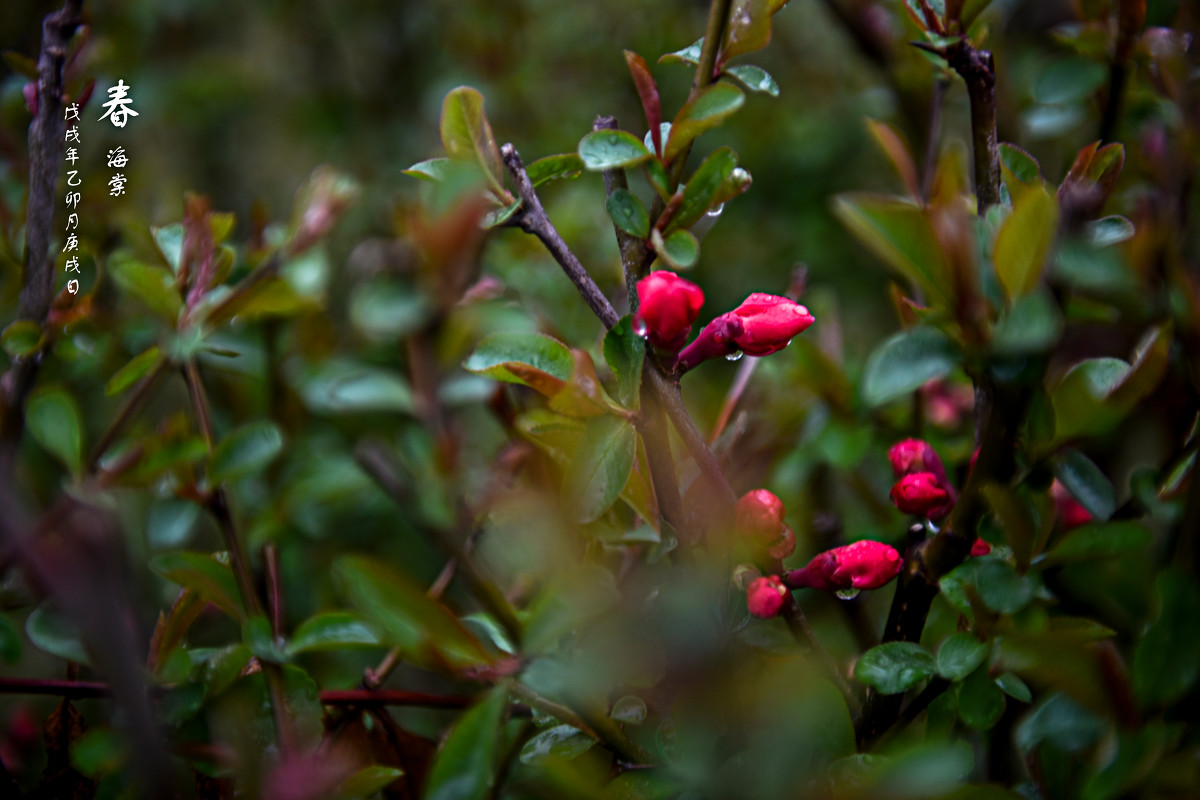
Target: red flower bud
764, 597
914, 455
667, 307
759, 516
1071, 514
919, 494
30, 92
761, 325
861, 565
981, 548
769, 322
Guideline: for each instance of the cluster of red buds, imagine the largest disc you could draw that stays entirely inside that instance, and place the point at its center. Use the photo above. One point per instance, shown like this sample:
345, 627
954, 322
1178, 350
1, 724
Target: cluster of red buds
668, 306
850, 568
758, 517
922, 488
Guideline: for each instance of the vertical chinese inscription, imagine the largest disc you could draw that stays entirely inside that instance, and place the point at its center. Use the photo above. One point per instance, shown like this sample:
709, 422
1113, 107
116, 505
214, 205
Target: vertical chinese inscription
73, 196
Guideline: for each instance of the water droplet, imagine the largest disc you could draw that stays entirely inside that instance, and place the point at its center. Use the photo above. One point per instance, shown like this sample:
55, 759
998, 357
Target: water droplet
716, 210
847, 594
734, 356
639, 328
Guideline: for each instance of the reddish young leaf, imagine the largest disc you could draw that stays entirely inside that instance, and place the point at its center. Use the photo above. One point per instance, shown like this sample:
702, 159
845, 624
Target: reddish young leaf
897, 152
749, 29
648, 92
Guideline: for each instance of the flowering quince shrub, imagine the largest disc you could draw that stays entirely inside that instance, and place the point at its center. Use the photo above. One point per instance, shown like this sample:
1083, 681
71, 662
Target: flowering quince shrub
515, 510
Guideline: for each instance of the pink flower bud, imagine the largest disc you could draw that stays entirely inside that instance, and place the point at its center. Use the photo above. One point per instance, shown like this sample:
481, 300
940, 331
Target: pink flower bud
981, 548
1071, 514
761, 325
915, 455
861, 565
30, 93
769, 322
667, 307
919, 494
765, 596
759, 516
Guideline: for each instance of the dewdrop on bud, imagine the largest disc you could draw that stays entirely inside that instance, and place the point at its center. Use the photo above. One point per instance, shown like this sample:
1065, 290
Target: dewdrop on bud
740, 180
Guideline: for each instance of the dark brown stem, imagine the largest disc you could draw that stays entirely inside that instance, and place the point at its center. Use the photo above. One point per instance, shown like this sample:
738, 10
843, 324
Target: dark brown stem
978, 71
270, 555
133, 403
532, 219
1118, 76
45, 155
376, 463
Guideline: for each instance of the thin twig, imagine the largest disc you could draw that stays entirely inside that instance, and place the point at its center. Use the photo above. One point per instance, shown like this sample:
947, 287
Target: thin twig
632, 249
270, 555
136, 399
736, 389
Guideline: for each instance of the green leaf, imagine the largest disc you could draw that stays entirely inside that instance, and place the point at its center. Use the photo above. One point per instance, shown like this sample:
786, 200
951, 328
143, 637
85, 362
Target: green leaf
52, 418
600, 468
465, 766
680, 249
99, 752
431, 169
895, 667
688, 56
169, 523
748, 29
1108, 231
564, 166
367, 782
702, 188
561, 741
223, 668
657, 175
51, 632
1000, 587
153, 285
530, 359
1032, 325
905, 362
625, 352
10, 641
402, 612
601, 150
341, 386
1084, 480
960, 655
756, 79
137, 368
709, 109
332, 630
1014, 687
245, 451
1023, 166
204, 575
1068, 80
1079, 399
1024, 241
385, 309
467, 134
628, 213
1061, 721
169, 240
980, 701
901, 235
21, 338
258, 637
1166, 661
1099, 541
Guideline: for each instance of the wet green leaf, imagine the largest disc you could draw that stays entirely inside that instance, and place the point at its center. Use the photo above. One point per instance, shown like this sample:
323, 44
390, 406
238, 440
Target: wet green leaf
702, 188
629, 709
465, 765
169, 240
756, 79
625, 352
895, 667
680, 249
1109, 231
1014, 687
564, 166
431, 169
561, 741
258, 637
628, 213
601, 150
137, 368
530, 359
905, 362
688, 56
